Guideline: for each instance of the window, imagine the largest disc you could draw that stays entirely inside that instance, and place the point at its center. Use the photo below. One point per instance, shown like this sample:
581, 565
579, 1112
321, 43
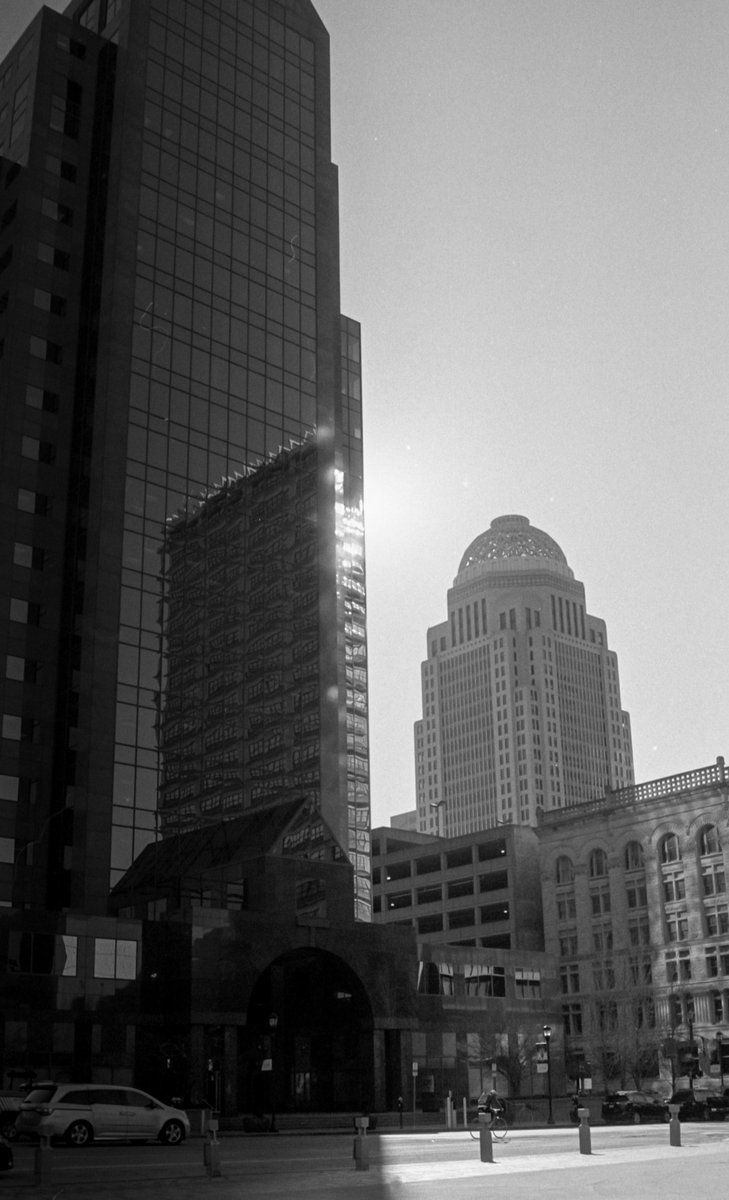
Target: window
54, 257
399, 900
568, 944
22, 669
42, 953
717, 919
603, 975
674, 886
461, 918
602, 937
713, 879
32, 502
717, 960
636, 894
564, 870
678, 966
709, 841
460, 887
598, 864
115, 958
430, 924
634, 860
39, 451
24, 612
9, 787
484, 980
566, 907
494, 912
639, 932
50, 351
600, 899
569, 976
669, 850
572, 1017
32, 557
677, 926
528, 984
49, 302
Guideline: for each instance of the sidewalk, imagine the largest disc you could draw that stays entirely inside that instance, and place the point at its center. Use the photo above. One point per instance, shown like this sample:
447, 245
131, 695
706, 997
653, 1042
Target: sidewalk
613, 1171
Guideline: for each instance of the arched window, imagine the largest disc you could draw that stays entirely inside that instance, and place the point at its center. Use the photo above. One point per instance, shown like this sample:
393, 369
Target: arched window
709, 840
564, 870
634, 860
670, 849
598, 864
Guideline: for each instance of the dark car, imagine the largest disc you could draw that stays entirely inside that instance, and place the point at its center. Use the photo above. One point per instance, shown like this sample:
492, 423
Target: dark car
709, 1106
633, 1107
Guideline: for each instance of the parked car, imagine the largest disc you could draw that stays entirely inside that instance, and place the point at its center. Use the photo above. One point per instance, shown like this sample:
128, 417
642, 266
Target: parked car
6, 1156
83, 1112
707, 1106
633, 1107
9, 1108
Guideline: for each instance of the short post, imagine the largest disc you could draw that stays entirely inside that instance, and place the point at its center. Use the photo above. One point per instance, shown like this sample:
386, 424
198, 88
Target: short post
211, 1150
584, 1131
43, 1155
465, 1113
485, 1142
400, 1106
361, 1149
674, 1128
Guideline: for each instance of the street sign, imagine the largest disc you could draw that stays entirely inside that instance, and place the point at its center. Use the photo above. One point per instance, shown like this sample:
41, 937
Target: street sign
542, 1068
267, 1064
415, 1068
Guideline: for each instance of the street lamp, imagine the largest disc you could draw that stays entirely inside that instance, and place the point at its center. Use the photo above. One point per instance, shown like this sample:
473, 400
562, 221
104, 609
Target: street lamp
547, 1031
719, 1040
272, 1025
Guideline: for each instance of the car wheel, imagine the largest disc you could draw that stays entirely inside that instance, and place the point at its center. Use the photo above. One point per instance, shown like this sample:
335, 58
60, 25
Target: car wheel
79, 1133
172, 1133
8, 1129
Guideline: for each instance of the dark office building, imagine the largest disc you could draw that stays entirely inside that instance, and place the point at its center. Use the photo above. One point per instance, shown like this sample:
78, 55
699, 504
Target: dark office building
171, 343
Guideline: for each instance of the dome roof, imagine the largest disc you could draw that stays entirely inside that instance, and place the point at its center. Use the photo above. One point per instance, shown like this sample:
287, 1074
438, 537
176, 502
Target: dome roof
512, 537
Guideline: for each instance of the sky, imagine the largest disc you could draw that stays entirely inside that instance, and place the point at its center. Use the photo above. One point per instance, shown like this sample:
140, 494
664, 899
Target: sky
534, 203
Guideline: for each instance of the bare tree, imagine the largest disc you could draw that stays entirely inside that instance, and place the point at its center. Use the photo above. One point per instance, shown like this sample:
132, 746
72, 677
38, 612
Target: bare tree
508, 1042
620, 1032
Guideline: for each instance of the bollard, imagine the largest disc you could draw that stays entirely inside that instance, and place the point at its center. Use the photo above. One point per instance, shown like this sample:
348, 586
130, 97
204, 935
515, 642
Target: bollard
43, 1155
485, 1141
361, 1149
584, 1130
674, 1128
211, 1150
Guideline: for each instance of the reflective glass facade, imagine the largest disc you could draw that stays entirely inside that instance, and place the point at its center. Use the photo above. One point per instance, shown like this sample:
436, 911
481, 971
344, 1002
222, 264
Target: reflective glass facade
188, 336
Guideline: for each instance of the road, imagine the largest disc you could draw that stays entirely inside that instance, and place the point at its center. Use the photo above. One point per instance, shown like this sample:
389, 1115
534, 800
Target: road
625, 1162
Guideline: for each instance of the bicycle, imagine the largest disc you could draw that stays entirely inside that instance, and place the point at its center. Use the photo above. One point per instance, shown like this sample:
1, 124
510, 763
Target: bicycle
498, 1128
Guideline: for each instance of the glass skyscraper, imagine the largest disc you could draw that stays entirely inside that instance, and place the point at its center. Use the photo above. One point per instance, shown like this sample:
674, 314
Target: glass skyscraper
172, 343
521, 693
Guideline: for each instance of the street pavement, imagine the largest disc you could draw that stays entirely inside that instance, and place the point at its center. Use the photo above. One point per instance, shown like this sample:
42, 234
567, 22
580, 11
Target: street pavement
623, 1165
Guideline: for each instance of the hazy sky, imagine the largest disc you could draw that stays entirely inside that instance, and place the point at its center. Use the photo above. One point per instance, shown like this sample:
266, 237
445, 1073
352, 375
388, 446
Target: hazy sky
534, 205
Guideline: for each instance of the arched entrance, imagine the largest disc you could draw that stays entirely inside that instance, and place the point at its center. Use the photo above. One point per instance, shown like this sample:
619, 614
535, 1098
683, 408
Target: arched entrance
319, 1043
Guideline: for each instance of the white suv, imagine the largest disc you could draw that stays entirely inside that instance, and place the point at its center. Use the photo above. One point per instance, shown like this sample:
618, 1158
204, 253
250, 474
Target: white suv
82, 1112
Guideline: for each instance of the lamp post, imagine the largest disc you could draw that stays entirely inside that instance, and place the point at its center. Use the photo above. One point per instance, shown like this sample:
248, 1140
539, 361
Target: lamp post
719, 1040
547, 1031
272, 1025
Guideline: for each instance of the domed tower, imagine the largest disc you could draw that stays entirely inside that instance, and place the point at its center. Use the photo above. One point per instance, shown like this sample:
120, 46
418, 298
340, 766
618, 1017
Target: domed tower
521, 695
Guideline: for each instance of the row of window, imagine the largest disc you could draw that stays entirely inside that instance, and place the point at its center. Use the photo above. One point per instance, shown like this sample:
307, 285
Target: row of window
57, 954
669, 851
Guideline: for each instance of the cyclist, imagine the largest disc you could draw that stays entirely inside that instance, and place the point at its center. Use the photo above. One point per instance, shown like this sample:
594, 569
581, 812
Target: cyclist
489, 1102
